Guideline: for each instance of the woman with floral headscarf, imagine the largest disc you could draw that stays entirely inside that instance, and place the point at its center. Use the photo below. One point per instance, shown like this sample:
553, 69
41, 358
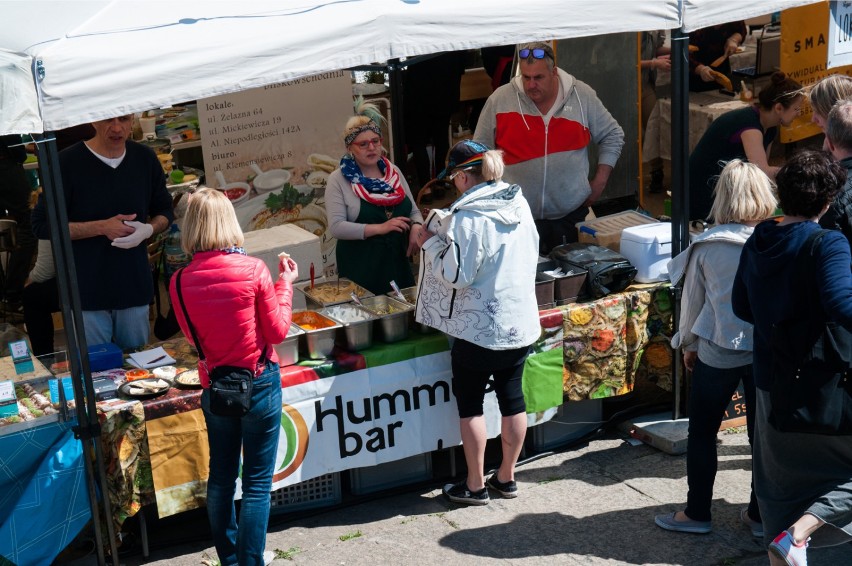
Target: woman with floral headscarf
370, 209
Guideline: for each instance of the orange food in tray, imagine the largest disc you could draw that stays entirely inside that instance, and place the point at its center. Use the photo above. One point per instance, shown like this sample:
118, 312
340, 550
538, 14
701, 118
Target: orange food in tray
310, 320
134, 374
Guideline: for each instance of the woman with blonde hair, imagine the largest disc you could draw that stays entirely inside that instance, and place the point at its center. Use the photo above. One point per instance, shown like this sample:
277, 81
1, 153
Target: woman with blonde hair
824, 94
236, 313
370, 209
477, 284
717, 346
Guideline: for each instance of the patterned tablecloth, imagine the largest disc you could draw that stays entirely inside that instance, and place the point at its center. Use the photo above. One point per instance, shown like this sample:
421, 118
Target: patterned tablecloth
586, 350
612, 342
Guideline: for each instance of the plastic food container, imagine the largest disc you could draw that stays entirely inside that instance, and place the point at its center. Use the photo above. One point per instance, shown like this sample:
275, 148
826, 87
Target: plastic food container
332, 293
357, 324
649, 249
606, 230
393, 316
288, 350
544, 290
319, 333
566, 288
134, 374
410, 294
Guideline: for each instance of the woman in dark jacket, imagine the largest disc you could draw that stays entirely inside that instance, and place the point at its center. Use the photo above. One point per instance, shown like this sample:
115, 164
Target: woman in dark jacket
238, 314
803, 482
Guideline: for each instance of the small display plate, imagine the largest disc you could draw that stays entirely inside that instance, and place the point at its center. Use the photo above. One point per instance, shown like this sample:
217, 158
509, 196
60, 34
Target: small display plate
145, 388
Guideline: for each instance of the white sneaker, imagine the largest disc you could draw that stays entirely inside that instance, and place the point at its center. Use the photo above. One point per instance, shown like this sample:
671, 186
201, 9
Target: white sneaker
268, 557
785, 548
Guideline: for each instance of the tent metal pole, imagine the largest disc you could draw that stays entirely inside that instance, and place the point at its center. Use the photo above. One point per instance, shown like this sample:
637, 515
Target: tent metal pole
395, 79
680, 180
88, 427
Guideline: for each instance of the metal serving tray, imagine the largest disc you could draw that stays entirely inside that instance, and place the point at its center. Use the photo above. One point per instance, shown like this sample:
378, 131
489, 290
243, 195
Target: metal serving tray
318, 342
394, 325
324, 294
288, 350
410, 294
357, 332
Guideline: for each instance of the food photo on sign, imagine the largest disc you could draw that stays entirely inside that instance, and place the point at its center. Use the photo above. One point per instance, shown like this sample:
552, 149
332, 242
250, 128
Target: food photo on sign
272, 149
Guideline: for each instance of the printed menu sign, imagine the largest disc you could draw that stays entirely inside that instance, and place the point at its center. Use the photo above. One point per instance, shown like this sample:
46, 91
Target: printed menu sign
272, 149
804, 53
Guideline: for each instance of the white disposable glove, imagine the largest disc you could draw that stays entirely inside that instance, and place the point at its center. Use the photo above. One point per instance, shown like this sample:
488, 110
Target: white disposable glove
142, 232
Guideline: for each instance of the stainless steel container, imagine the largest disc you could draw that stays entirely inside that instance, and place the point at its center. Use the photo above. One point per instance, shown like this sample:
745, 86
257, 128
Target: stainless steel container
319, 333
393, 316
357, 331
288, 350
410, 295
325, 294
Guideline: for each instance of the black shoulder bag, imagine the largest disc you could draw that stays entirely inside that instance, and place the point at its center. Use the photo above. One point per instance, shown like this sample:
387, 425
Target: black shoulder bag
811, 364
230, 386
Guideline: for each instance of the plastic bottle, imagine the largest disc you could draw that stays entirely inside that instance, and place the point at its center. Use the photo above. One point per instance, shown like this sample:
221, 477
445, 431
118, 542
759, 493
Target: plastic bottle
175, 256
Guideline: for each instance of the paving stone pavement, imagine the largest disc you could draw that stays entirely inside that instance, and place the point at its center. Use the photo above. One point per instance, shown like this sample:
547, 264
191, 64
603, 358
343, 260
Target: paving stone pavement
593, 504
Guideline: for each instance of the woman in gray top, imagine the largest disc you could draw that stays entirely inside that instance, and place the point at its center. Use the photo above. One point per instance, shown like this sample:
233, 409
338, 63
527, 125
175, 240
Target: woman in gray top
370, 209
717, 346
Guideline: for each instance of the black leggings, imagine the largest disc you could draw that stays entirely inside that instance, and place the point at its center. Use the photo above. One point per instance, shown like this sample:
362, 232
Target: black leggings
473, 365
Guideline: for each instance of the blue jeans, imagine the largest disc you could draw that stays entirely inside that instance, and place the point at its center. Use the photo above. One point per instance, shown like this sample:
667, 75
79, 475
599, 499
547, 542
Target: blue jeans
128, 328
711, 391
256, 435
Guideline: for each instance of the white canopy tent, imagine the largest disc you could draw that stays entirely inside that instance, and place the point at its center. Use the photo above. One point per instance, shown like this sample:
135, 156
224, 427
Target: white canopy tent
102, 59
64, 63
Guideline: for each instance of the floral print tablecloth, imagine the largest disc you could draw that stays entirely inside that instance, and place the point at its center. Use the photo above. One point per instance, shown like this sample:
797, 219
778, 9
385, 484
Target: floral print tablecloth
611, 342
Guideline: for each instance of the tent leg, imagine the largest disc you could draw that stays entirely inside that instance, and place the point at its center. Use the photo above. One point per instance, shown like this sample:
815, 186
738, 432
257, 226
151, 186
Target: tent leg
680, 177
88, 427
396, 112
143, 532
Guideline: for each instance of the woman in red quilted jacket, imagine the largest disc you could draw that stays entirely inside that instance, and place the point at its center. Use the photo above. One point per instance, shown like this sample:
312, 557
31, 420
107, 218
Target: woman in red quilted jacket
238, 313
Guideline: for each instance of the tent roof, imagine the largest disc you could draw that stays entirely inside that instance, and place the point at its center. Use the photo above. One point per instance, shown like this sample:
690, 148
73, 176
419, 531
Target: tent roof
101, 59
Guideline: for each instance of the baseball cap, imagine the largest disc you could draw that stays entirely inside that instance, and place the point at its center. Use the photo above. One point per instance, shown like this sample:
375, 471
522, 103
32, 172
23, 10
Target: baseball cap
466, 153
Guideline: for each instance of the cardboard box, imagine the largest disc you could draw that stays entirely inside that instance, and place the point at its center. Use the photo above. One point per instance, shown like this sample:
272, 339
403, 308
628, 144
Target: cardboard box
649, 249
606, 230
303, 246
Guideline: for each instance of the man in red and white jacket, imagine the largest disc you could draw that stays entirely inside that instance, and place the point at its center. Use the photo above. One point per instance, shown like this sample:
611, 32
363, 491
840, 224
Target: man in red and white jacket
544, 120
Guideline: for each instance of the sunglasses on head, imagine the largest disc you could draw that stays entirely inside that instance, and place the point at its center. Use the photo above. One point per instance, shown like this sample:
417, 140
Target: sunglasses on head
535, 53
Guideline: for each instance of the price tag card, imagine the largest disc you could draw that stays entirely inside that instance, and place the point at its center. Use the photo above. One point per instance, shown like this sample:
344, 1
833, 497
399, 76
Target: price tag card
67, 388
8, 402
21, 356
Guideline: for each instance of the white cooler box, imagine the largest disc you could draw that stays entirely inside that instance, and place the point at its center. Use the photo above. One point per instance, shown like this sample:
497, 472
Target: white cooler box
649, 248
304, 248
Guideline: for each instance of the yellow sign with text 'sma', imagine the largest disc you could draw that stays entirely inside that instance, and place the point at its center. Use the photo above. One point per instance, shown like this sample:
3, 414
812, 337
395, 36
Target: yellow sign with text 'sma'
804, 53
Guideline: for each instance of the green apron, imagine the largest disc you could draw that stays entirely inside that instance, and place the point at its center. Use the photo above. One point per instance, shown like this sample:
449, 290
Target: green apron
373, 262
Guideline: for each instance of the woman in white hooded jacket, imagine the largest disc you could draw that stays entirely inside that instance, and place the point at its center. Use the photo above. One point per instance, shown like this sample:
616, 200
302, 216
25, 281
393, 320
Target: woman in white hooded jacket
477, 284
717, 346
